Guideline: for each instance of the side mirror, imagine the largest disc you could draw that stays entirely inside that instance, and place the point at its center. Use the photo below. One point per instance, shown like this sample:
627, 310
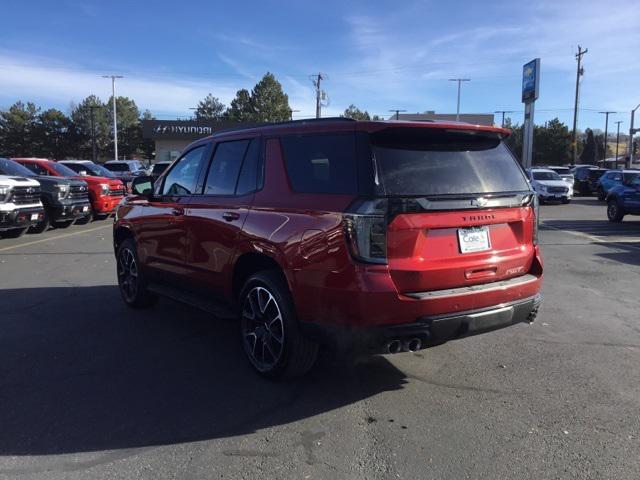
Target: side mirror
142, 186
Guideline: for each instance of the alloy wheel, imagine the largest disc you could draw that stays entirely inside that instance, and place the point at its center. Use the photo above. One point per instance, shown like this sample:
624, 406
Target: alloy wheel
612, 210
128, 274
262, 329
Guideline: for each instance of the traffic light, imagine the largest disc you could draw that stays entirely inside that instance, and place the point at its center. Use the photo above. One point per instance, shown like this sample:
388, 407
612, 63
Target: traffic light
635, 148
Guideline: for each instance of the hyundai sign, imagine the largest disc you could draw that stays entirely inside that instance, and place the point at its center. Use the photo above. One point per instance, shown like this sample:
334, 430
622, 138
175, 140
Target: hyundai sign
530, 81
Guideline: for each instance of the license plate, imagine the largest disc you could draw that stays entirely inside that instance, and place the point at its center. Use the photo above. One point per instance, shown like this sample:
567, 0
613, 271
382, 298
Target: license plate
85, 209
475, 239
34, 217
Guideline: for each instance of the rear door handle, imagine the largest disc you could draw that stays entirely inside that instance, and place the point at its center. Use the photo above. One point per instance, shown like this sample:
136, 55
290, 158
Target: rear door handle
176, 212
230, 216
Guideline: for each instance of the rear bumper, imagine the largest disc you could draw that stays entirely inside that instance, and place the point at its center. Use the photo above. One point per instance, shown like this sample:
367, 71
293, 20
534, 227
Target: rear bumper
20, 217
430, 330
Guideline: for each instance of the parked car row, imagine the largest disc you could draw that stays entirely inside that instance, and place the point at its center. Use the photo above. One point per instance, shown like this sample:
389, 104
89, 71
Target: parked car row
37, 194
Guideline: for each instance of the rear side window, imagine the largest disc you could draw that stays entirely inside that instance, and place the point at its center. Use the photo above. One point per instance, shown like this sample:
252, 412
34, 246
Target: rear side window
225, 167
248, 180
321, 163
425, 162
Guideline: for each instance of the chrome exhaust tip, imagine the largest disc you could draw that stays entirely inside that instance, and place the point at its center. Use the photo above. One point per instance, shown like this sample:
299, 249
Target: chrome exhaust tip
394, 346
414, 345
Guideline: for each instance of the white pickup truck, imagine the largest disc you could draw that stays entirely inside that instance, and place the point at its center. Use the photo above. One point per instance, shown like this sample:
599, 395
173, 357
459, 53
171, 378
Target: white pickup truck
20, 205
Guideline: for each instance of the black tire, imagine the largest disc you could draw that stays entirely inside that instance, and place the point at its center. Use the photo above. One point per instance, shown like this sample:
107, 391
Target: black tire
566, 200
265, 296
65, 224
14, 232
131, 282
615, 213
601, 194
43, 225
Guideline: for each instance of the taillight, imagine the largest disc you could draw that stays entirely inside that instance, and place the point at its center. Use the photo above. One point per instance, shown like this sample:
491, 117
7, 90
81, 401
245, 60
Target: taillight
535, 204
365, 228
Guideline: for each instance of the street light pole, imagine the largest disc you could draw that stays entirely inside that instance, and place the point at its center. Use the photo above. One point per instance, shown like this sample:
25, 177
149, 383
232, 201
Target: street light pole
459, 80
115, 121
617, 142
503, 112
632, 132
397, 112
94, 150
606, 132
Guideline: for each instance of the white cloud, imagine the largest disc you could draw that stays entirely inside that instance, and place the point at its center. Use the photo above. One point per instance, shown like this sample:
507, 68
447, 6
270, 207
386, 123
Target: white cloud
59, 84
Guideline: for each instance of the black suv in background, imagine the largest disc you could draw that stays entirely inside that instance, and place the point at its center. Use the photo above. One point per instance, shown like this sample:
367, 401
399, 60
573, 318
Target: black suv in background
586, 179
64, 200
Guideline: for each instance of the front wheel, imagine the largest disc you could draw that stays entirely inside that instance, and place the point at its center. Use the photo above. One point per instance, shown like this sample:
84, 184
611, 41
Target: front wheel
131, 282
614, 211
271, 336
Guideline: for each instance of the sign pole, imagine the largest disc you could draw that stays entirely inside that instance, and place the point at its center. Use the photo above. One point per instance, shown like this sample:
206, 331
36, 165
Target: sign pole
527, 135
530, 91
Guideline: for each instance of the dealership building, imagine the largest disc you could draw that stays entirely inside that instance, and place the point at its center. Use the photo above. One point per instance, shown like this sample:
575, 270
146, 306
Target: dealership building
172, 136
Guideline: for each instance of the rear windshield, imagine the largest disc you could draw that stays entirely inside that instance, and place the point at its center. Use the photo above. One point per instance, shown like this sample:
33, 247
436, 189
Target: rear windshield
117, 167
596, 173
423, 161
561, 171
546, 176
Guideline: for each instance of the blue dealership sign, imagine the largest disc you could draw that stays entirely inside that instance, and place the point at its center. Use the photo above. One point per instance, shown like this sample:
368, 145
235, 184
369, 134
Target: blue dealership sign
530, 81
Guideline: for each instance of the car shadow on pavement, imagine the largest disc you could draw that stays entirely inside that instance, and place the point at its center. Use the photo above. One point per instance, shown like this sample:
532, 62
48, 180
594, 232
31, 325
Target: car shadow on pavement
628, 253
81, 372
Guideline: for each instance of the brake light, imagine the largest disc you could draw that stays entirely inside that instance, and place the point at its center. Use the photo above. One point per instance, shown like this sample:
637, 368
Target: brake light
535, 204
365, 228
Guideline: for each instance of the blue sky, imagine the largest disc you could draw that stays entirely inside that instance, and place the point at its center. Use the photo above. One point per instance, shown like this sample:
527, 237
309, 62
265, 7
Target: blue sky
378, 55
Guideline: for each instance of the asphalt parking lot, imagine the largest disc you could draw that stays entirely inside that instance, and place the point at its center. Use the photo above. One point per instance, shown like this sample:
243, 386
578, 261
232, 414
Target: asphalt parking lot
91, 389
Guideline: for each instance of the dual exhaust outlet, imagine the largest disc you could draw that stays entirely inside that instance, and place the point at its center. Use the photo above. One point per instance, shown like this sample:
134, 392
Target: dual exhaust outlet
403, 345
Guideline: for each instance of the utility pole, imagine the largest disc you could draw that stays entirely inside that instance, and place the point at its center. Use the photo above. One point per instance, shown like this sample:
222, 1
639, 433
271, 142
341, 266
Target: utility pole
316, 79
632, 132
115, 121
617, 141
579, 73
606, 131
397, 112
94, 150
459, 80
503, 112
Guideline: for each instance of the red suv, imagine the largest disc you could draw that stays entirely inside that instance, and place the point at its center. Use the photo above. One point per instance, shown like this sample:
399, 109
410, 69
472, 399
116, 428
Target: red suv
392, 236
104, 193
